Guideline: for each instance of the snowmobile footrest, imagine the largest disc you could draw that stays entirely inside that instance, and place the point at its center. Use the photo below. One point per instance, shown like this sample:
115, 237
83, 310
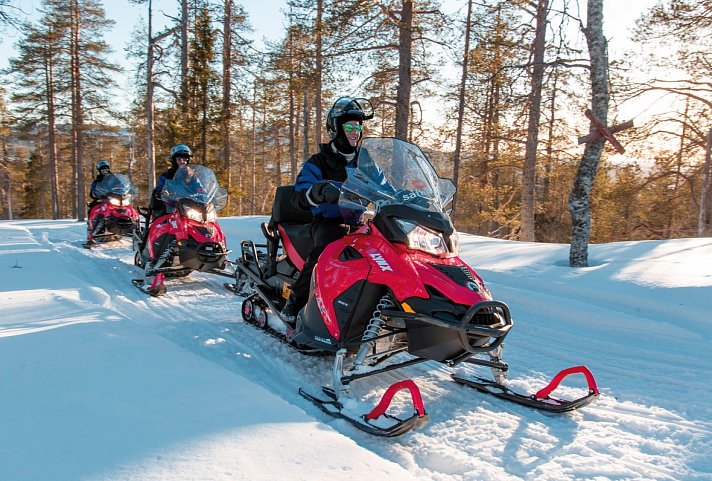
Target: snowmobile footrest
542, 399
386, 425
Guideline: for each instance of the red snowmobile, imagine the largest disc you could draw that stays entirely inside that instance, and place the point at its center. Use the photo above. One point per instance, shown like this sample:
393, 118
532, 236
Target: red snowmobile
390, 294
186, 239
114, 216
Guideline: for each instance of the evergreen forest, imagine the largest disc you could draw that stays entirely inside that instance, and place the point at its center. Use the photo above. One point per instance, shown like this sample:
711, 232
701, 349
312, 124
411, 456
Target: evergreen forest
510, 80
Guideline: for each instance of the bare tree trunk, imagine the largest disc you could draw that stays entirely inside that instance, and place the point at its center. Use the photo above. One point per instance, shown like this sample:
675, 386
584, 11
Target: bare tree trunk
702, 222
461, 107
529, 175
150, 147
51, 132
319, 67
670, 228
580, 197
226, 94
77, 111
546, 182
253, 184
405, 80
305, 127
5, 176
292, 140
184, 55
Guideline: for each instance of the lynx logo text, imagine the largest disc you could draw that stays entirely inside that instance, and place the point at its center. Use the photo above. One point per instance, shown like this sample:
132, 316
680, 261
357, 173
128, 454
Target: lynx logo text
382, 263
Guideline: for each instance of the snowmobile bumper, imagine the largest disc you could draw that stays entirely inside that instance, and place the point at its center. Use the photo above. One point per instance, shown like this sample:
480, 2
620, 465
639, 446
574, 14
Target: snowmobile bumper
122, 226
482, 329
205, 256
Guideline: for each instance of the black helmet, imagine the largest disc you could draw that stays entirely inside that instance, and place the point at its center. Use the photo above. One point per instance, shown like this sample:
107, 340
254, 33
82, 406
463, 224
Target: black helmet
180, 150
102, 164
345, 109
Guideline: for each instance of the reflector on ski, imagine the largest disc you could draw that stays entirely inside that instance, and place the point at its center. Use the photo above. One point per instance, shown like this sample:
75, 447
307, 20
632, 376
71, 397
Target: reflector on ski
377, 421
541, 399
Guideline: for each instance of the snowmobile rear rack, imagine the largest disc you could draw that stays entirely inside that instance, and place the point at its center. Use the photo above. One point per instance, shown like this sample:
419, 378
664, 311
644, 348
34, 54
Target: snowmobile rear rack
365, 423
541, 399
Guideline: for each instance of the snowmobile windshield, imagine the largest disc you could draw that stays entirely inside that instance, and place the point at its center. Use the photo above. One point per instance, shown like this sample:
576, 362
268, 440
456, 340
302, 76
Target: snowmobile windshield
197, 183
116, 185
394, 172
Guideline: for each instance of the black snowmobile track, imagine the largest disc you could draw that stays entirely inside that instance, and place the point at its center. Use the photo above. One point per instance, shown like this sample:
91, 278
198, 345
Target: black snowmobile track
549, 404
302, 349
331, 406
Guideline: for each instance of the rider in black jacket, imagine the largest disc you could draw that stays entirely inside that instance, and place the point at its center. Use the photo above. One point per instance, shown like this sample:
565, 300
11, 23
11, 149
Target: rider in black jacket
317, 188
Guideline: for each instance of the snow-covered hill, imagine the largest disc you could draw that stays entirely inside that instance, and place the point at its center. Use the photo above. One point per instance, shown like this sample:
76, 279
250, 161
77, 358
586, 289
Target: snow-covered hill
100, 382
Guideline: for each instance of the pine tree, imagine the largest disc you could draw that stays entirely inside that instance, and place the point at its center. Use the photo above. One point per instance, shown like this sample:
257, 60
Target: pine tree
38, 94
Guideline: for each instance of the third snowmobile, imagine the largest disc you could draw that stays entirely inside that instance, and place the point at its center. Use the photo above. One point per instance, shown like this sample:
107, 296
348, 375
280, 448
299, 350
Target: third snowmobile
114, 215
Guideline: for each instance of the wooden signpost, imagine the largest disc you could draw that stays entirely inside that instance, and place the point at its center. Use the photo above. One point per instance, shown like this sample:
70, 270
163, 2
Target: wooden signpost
604, 132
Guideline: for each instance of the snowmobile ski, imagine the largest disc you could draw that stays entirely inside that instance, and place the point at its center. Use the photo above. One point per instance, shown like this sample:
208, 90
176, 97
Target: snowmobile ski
541, 399
156, 289
88, 245
387, 425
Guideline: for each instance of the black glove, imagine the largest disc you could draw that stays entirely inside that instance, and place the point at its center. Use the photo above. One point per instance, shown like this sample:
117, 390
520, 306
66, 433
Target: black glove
324, 192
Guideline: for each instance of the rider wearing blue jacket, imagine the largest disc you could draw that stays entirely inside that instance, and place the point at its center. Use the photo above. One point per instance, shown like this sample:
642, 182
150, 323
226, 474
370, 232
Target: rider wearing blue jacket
317, 188
180, 155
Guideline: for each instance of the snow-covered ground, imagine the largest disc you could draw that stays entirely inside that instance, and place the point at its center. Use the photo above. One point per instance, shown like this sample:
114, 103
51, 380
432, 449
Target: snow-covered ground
100, 382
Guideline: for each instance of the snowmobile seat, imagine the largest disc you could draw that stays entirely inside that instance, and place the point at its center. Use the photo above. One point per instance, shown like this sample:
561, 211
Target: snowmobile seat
293, 224
285, 212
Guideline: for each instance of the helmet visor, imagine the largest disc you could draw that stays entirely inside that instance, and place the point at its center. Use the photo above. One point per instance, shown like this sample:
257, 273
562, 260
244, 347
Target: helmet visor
353, 106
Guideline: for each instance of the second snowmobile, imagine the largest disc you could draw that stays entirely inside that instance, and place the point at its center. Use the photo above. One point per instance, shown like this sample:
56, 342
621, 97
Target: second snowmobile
186, 239
391, 293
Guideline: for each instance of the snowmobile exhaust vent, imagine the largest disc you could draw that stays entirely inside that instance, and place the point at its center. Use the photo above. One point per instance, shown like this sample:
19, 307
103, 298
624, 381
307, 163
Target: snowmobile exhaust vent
461, 275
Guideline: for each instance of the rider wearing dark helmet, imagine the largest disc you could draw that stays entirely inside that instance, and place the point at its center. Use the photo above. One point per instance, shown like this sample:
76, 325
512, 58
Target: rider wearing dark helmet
317, 188
180, 154
103, 168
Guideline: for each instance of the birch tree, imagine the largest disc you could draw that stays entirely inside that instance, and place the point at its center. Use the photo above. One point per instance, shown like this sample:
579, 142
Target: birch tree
580, 197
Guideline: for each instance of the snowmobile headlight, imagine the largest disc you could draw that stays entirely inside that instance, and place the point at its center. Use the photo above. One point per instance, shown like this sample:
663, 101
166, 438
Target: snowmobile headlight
211, 215
115, 201
193, 214
423, 239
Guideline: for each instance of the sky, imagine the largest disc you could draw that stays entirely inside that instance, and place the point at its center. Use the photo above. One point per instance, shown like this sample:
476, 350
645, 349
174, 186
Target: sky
100, 382
266, 19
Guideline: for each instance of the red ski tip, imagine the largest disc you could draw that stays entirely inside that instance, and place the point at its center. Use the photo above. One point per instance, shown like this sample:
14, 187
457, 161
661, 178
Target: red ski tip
408, 384
544, 392
157, 281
